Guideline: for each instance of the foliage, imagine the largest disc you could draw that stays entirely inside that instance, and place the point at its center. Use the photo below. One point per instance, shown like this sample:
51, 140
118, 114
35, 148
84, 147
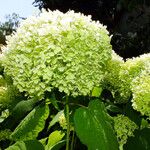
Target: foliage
140, 141
8, 27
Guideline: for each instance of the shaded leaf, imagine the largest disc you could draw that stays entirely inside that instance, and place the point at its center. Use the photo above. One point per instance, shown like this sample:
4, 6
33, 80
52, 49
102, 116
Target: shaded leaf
140, 141
26, 145
59, 145
18, 113
55, 119
54, 101
132, 114
113, 108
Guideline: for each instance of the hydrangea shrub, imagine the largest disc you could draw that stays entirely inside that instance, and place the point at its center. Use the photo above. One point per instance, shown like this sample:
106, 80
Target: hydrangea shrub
56, 50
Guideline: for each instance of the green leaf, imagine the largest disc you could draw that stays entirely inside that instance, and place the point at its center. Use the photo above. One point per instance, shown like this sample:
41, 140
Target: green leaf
96, 91
59, 145
26, 145
132, 114
43, 141
54, 138
55, 119
32, 124
54, 101
140, 141
19, 111
113, 108
93, 127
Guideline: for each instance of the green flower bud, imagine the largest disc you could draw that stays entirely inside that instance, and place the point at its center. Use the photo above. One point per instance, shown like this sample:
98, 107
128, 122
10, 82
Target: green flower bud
124, 128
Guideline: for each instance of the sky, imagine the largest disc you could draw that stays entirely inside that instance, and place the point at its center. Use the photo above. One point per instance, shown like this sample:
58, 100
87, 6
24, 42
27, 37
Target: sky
22, 7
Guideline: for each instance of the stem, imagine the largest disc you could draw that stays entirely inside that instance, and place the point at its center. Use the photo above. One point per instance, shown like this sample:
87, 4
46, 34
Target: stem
72, 141
121, 147
68, 123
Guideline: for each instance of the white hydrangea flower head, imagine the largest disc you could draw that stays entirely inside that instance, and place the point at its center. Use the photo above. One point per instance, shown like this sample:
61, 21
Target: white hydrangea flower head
56, 50
141, 92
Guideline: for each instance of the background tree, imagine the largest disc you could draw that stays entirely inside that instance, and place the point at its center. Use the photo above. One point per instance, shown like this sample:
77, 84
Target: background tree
127, 20
10, 25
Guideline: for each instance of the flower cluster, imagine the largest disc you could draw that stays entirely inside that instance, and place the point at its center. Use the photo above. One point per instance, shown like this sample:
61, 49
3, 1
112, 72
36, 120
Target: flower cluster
112, 80
56, 50
131, 69
141, 92
124, 128
8, 94
120, 75
62, 121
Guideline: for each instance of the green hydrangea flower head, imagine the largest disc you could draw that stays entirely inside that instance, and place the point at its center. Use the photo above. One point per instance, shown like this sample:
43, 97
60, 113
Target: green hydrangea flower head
124, 128
112, 80
62, 121
130, 69
141, 92
56, 50
9, 95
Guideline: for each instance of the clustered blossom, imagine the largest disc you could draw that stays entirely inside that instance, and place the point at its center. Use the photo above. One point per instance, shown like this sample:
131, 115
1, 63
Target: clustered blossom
56, 50
62, 121
112, 79
8, 93
141, 92
124, 128
131, 69
121, 74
